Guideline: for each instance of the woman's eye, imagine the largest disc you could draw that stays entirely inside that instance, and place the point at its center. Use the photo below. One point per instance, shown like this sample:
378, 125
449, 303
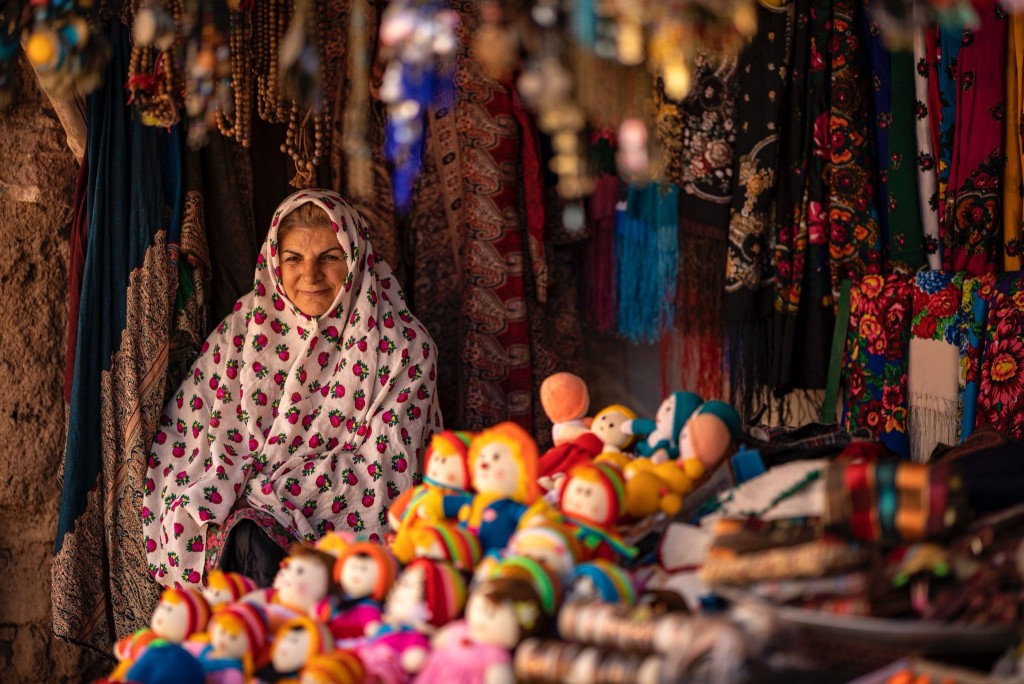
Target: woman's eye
330, 257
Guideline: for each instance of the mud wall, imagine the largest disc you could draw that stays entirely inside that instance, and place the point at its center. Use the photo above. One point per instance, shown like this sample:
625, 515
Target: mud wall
37, 174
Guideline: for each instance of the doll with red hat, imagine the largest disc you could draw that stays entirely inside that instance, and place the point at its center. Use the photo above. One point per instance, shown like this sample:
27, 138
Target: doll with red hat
447, 541
365, 572
179, 614
336, 667
237, 646
503, 467
226, 587
427, 595
445, 473
592, 500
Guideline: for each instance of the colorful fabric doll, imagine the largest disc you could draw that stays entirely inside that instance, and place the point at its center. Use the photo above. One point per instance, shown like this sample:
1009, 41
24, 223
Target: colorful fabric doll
226, 587
445, 473
179, 614
165, 663
565, 400
305, 579
238, 640
503, 464
707, 438
336, 667
592, 499
554, 546
607, 426
426, 596
600, 580
544, 581
295, 643
335, 542
500, 614
365, 572
662, 432
447, 541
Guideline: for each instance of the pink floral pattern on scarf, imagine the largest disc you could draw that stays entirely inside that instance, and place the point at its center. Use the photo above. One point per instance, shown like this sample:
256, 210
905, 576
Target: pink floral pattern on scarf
318, 422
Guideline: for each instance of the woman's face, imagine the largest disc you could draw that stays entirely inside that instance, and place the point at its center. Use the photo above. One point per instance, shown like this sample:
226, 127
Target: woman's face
313, 268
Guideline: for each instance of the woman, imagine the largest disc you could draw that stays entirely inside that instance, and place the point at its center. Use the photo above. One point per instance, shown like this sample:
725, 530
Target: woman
307, 409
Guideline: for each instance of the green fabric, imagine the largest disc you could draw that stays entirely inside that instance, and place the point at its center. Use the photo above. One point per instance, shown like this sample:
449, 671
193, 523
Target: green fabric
906, 241
835, 367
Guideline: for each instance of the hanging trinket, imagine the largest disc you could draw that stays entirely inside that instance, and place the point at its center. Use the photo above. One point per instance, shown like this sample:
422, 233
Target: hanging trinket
67, 55
154, 82
418, 42
309, 124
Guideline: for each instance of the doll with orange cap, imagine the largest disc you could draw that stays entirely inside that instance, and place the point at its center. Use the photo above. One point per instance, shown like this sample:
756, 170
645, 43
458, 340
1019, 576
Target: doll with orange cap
180, 614
336, 667
226, 587
503, 468
592, 500
237, 646
427, 595
296, 642
445, 473
365, 572
565, 400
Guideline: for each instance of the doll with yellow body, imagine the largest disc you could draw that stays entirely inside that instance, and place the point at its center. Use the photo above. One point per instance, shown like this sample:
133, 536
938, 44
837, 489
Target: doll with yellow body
503, 467
180, 614
445, 473
296, 643
336, 667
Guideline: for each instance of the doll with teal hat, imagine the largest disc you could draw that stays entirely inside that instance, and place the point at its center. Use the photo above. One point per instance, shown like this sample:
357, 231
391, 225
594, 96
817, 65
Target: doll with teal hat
662, 432
707, 438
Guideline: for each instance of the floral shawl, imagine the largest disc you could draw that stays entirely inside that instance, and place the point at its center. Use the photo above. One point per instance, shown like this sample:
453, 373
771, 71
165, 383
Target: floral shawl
319, 422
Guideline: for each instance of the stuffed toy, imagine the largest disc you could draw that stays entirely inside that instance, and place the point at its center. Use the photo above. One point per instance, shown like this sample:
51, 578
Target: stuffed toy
607, 426
592, 500
226, 587
648, 493
559, 460
708, 437
179, 614
662, 432
296, 642
554, 546
447, 541
600, 580
305, 579
427, 595
335, 542
503, 467
364, 572
500, 614
165, 663
238, 642
336, 667
541, 578
565, 400
445, 473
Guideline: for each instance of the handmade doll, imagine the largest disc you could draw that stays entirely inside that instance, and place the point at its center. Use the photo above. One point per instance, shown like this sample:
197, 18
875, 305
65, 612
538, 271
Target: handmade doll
179, 614
335, 542
503, 465
557, 461
647, 492
336, 667
447, 541
296, 642
238, 640
592, 499
164, 663
662, 432
543, 580
365, 572
600, 580
305, 579
226, 587
445, 473
426, 596
565, 400
707, 438
500, 614
554, 546
607, 426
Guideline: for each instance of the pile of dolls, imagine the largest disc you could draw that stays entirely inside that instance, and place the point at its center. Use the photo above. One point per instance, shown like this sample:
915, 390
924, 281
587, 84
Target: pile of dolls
503, 564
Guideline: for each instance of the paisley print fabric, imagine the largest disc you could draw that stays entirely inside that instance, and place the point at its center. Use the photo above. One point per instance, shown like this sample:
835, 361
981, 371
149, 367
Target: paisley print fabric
319, 422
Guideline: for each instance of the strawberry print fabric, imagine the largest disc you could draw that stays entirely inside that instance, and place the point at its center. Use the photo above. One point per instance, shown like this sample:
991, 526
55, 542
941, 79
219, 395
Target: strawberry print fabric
318, 422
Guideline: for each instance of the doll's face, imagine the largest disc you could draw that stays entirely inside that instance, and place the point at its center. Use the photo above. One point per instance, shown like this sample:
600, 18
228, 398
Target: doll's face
447, 468
586, 500
495, 470
228, 640
215, 596
543, 550
302, 582
663, 419
170, 621
608, 428
291, 650
432, 550
405, 603
493, 624
359, 576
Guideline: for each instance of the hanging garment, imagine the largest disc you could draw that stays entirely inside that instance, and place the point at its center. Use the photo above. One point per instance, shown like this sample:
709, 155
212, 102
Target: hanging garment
1001, 371
971, 333
762, 78
135, 217
972, 233
905, 235
880, 60
948, 51
1013, 175
925, 58
258, 423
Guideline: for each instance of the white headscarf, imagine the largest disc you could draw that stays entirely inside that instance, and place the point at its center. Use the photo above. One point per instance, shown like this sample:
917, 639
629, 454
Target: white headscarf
320, 422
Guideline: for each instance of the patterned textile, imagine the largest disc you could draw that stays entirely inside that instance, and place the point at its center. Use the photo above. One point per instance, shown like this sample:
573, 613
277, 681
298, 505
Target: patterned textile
925, 57
76, 265
762, 76
880, 60
1013, 175
474, 270
948, 52
1001, 377
905, 237
99, 592
876, 359
971, 235
971, 333
255, 424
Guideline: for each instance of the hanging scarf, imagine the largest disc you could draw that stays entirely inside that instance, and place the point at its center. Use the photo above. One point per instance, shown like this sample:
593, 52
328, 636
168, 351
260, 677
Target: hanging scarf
880, 60
905, 236
971, 239
1001, 377
949, 49
319, 422
761, 81
1013, 178
925, 56
971, 333
876, 353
